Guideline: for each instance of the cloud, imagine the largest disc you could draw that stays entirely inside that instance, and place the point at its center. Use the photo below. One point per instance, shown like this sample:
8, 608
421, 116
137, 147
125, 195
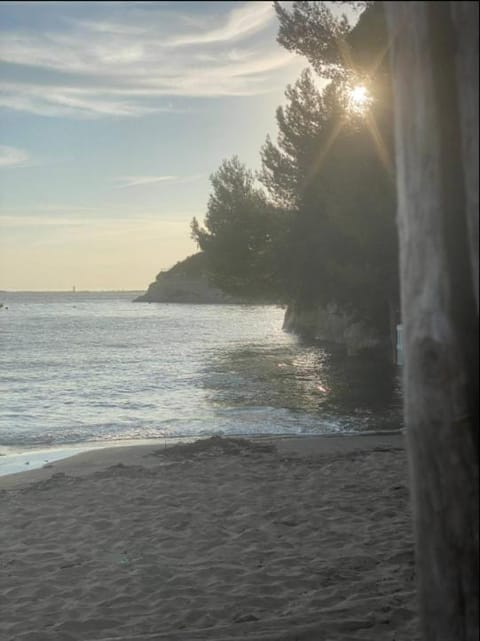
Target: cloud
54, 100
135, 181
13, 157
246, 20
109, 27
70, 215
98, 221
37, 221
133, 62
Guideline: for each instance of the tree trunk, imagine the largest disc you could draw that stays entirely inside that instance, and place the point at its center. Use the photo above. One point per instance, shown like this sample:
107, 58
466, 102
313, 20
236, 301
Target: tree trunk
434, 54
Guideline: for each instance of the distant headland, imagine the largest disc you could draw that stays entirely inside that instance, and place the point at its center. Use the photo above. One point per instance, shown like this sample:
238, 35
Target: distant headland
186, 282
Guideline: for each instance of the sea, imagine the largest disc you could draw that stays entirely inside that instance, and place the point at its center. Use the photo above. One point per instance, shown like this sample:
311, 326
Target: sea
85, 370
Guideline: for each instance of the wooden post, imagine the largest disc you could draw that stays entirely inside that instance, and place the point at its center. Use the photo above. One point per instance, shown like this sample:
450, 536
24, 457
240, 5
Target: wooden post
434, 55
465, 17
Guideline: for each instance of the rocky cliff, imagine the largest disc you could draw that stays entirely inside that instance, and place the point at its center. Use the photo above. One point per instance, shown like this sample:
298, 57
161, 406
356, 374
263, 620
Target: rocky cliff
331, 325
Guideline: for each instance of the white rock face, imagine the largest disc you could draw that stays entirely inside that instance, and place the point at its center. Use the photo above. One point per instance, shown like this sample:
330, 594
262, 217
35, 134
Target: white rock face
332, 325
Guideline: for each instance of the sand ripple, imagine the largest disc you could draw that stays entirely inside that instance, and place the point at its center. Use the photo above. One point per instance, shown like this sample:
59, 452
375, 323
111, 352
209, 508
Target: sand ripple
223, 540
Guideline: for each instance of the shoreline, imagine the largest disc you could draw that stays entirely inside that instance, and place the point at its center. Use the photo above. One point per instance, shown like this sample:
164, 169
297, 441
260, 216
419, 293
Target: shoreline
29, 458
39, 463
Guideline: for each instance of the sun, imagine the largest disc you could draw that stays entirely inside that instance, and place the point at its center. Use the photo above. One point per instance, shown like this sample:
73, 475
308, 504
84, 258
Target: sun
359, 99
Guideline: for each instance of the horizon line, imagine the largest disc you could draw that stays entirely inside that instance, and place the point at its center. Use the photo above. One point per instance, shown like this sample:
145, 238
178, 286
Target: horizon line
69, 291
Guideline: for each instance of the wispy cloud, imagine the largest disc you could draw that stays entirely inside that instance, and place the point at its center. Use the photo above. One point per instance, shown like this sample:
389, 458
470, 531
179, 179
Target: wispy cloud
104, 26
136, 181
104, 222
246, 20
13, 157
67, 214
37, 221
80, 102
131, 65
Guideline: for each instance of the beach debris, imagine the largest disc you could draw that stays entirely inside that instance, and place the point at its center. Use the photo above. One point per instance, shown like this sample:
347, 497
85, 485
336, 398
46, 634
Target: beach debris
214, 446
119, 558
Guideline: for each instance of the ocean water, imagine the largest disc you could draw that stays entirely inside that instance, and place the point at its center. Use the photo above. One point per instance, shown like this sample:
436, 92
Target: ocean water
90, 368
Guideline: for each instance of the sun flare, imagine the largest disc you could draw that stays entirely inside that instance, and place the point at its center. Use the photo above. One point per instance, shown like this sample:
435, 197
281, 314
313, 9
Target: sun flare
359, 99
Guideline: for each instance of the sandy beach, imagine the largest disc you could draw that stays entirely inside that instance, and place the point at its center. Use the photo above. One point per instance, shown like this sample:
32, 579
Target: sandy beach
305, 539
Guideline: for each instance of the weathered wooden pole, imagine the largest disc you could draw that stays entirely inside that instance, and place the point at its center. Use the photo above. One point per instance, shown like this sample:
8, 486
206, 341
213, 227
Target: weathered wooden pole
434, 55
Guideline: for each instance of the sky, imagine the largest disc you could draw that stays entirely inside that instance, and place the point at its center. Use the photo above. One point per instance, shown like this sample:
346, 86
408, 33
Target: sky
113, 115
